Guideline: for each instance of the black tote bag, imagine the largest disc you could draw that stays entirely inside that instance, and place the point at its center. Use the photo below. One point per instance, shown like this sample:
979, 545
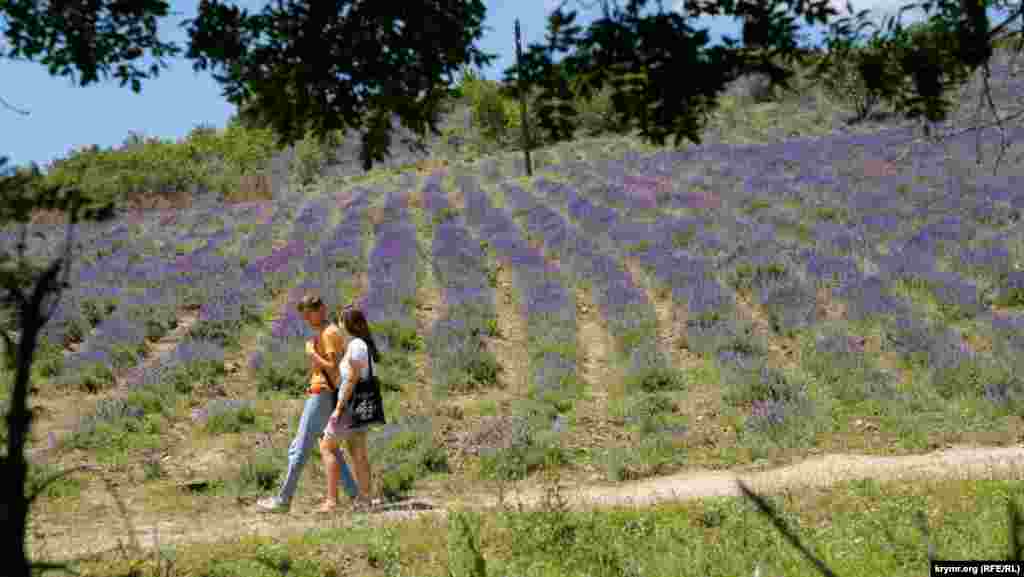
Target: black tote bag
366, 405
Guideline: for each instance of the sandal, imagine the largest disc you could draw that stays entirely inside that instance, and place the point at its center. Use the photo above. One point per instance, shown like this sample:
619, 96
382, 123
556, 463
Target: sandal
327, 507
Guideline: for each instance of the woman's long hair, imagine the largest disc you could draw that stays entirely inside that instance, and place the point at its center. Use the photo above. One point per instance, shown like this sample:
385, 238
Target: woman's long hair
355, 323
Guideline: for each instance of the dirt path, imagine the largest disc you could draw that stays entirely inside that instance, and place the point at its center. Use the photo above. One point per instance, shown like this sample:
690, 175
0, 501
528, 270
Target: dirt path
818, 472
510, 346
595, 353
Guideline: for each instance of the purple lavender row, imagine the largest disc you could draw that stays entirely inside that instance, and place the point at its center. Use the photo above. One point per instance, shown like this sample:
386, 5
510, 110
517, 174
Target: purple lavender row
911, 258
545, 303
630, 316
232, 296
691, 276
119, 332
265, 276
391, 291
459, 264
339, 257
229, 298
119, 287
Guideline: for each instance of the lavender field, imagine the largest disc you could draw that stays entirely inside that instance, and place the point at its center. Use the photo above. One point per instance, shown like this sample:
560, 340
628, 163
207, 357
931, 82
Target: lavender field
830, 294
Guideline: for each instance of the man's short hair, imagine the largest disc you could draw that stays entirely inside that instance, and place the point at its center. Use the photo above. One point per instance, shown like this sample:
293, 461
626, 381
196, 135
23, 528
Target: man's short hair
309, 302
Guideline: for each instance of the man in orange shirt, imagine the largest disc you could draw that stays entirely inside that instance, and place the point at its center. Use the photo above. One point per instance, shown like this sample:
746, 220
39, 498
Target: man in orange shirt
322, 396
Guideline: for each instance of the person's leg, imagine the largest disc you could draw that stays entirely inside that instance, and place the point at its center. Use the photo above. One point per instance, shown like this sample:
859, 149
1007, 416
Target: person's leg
328, 446
360, 461
299, 449
345, 473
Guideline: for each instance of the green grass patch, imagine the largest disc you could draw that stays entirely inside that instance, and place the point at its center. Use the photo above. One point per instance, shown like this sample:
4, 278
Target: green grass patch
861, 527
112, 441
404, 455
258, 474
534, 445
657, 379
655, 454
53, 483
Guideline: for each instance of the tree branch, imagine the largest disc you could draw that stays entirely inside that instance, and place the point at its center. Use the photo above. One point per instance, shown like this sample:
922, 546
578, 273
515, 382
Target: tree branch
12, 108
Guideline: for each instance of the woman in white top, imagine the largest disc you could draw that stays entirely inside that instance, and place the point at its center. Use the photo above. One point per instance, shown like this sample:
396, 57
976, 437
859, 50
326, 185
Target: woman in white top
358, 350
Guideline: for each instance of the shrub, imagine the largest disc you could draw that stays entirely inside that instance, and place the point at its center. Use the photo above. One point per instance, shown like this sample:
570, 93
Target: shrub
288, 373
227, 416
650, 457
312, 155
657, 379
258, 473
394, 334
492, 113
406, 452
533, 446
202, 372
120, 435
66, 485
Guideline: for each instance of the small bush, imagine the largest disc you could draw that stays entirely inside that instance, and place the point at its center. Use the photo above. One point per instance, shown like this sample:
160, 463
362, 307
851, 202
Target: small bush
464, 557
152, 469
312, 155
228, 416
66, 485
91, 378
118, 437
394, 334
383, 552
204, 373
657, 379
288, 374
654, 454
258, 474
49, 359
534, 446
406, 452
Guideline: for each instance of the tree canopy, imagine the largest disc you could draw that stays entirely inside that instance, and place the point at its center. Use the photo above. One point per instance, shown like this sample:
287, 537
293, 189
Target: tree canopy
299, 66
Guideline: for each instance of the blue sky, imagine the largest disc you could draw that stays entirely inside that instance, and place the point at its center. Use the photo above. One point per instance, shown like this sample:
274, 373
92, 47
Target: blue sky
64, 116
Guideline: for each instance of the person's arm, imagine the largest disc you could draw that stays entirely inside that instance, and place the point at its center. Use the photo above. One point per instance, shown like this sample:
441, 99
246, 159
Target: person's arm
322, 362
357, 358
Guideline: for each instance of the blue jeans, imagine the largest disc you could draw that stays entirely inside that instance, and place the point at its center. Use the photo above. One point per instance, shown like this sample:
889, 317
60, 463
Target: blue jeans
315, 413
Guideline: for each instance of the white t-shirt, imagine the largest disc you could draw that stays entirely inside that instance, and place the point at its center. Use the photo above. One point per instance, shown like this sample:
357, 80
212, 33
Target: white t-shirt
357, 350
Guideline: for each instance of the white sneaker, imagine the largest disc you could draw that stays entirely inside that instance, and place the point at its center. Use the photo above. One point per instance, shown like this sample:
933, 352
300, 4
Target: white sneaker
272, 505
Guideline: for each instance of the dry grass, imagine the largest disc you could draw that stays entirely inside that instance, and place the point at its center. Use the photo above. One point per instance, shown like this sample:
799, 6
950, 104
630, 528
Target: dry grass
251, 188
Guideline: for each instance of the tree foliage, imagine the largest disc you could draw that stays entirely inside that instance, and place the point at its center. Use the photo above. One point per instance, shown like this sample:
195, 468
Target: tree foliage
642, 57
323, 66
92, 40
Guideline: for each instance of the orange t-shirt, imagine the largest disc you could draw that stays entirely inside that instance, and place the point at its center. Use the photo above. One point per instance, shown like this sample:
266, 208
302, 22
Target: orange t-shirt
329, 341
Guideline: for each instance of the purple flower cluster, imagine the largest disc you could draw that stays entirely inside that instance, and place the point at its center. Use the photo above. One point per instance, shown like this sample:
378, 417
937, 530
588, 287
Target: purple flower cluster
391, 291
340, 255
545, 303
460, 268
767, 414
